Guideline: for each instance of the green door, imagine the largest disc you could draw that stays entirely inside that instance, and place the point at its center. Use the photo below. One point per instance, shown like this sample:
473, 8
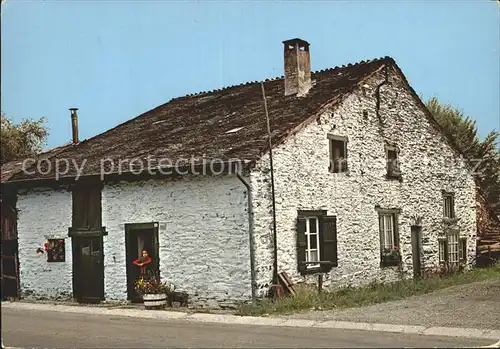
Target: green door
88, 269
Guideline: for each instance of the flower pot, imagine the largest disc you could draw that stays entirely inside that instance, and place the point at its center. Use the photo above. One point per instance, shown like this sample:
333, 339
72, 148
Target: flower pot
154, 301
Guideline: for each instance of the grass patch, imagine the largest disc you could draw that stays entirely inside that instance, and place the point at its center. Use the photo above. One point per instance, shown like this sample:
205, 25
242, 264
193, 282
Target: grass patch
307, 297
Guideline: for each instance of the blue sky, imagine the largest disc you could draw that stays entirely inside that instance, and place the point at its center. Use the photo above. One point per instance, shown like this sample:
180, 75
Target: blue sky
116, 59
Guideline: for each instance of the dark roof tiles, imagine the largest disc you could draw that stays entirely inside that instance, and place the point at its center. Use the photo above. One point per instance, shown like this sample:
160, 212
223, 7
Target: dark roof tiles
200, 122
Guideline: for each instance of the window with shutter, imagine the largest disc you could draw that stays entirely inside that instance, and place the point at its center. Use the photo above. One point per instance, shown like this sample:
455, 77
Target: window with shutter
316, 241
453, 250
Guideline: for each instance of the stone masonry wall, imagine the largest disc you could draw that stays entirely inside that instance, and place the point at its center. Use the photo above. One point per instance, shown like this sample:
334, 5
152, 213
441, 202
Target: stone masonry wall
205, 248
44, 214
303, 181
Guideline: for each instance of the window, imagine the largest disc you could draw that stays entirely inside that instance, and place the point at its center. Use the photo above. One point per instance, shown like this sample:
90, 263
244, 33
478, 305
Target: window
452, 250
56, 251
312, 237
86, 207
463, 250
316, 241
442, 251
448, 205
453, 256
338, 154
389, 238
392, 159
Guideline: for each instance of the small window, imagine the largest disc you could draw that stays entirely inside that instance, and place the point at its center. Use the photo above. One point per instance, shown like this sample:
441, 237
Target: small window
448, 205
463, 250
442, 251
338, 154
451, 250
56, 251
389, 239
393, 170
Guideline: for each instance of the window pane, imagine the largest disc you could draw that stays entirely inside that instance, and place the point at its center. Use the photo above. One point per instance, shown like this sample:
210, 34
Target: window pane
313, 256
312, 226
313, 242
339, 149
389, 241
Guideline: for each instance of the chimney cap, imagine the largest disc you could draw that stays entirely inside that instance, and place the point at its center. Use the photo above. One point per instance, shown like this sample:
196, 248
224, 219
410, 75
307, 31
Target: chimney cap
296, 41
73, 109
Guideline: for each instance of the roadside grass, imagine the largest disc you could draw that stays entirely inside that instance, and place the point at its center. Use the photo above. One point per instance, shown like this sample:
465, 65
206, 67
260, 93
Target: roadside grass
307, 297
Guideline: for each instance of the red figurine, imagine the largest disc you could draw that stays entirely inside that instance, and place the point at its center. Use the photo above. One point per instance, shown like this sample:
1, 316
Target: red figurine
142, 261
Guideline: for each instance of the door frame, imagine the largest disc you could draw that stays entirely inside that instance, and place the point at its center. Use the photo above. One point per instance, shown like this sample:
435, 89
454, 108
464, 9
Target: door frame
416, 238
75, 236
129, 228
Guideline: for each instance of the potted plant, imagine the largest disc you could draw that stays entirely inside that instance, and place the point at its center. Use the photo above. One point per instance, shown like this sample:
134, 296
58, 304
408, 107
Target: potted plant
154, 292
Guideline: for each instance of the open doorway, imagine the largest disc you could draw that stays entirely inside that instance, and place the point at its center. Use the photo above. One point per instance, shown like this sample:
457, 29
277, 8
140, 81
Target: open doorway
139, 237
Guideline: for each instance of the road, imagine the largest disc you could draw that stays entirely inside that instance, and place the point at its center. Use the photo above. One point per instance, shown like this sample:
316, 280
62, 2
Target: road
28, 328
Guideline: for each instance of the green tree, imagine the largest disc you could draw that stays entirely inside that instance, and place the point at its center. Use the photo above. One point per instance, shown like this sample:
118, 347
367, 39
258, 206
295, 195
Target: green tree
483, 155
21, 140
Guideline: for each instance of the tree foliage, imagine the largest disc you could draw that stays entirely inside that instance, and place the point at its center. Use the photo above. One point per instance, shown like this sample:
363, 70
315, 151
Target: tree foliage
483, 155
21, 140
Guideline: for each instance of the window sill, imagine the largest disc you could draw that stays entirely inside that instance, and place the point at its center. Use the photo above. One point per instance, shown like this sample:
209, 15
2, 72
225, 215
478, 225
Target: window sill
390, 264
324, 268
309, 271
346, 172
394, 177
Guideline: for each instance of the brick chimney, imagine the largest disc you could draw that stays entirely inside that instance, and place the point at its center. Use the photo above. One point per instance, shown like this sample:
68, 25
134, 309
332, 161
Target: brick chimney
297, 67
74, 124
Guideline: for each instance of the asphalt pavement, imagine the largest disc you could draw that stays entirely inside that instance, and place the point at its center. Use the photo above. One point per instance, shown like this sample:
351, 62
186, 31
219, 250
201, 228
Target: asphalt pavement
24, 328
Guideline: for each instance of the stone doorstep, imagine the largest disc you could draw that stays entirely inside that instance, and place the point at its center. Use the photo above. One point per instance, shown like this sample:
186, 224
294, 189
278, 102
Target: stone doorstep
261, 321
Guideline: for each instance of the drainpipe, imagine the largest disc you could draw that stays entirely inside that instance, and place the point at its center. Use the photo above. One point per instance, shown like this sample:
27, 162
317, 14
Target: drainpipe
250, 237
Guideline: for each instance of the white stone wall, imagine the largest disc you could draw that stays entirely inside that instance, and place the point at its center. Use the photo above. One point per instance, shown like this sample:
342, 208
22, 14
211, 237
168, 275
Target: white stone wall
205, 250
44, 214
303, 182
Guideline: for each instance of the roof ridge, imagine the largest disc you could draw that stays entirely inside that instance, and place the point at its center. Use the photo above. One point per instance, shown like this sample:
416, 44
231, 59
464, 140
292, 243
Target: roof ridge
227, 87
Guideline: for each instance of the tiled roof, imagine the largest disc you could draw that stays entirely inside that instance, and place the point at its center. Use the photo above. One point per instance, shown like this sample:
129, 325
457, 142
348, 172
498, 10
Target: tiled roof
224, 124
9, 169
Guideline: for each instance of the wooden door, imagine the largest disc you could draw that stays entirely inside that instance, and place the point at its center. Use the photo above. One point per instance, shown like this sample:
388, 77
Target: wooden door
416, 250
88, 268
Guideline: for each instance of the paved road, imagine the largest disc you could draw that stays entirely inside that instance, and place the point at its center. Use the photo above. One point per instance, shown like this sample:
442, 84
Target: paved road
28, 328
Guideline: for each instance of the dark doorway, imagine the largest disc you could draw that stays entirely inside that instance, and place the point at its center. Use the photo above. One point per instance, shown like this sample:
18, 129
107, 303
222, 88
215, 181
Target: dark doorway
10, 270
138, 237
88, 268
416, 250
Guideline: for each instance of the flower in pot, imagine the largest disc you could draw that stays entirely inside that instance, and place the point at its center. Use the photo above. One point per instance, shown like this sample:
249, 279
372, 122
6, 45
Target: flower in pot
153, 291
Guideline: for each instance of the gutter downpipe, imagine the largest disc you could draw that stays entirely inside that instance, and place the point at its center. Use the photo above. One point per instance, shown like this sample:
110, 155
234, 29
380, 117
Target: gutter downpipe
253, 277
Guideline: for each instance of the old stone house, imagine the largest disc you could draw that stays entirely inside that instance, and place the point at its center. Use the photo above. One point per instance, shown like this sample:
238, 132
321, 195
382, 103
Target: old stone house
363, 186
